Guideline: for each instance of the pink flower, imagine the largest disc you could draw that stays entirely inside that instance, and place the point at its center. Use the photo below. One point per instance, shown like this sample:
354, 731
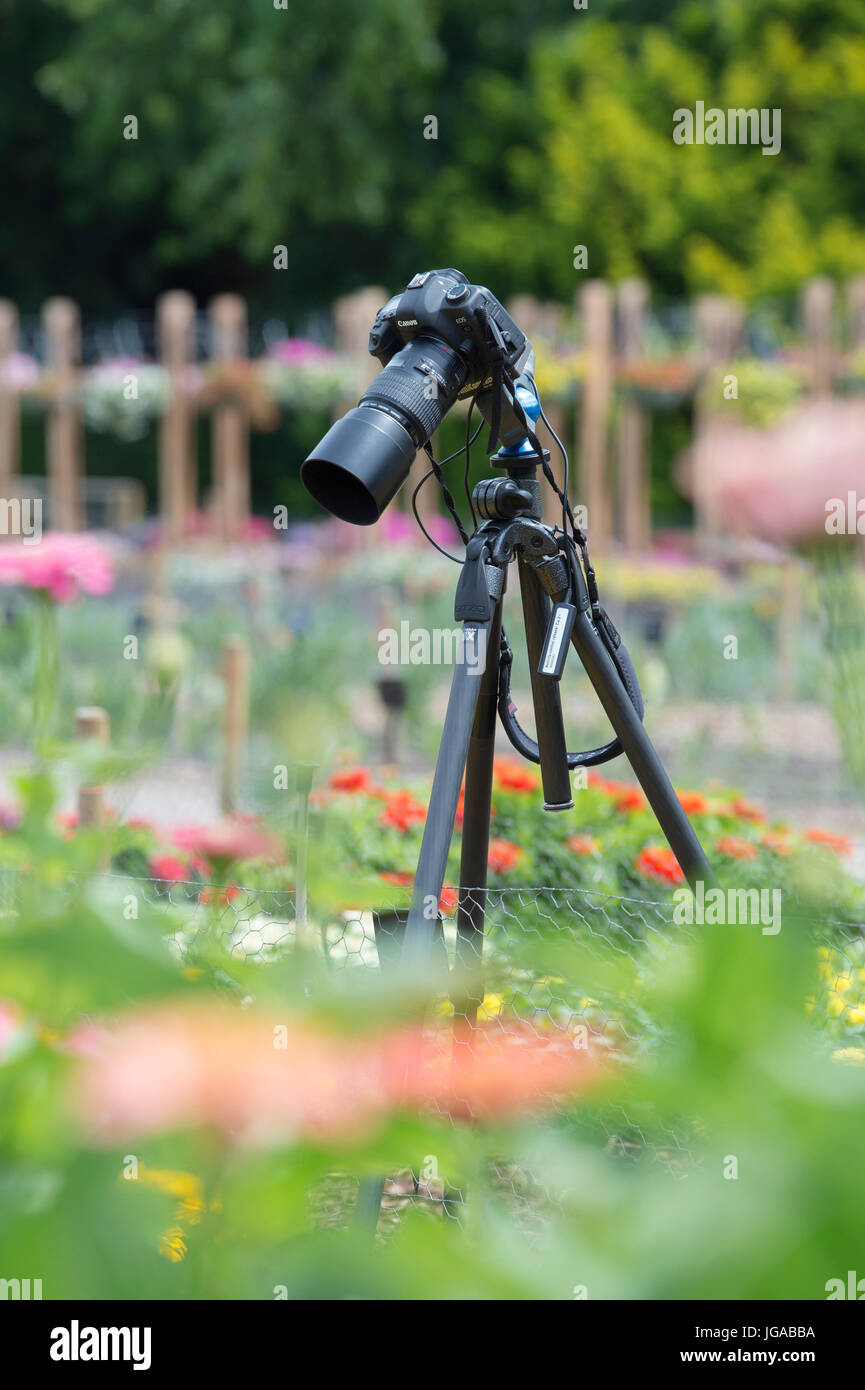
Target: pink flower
169, 868
236, 837
62, 565
19, 372
776, 483
298, 352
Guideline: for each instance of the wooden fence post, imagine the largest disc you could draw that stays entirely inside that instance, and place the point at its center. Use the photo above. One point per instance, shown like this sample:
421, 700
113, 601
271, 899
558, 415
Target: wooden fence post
595, 303
61, 325
175, 321
10, 418
91, 721
235, 727
817, 304
856, 312
634, 425
230, 421
719, 321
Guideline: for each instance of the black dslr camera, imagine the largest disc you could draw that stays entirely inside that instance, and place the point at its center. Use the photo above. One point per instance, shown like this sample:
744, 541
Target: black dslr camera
441, 339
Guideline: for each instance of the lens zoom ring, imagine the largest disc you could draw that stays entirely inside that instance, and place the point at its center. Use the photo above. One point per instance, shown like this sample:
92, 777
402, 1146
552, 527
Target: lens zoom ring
404, 388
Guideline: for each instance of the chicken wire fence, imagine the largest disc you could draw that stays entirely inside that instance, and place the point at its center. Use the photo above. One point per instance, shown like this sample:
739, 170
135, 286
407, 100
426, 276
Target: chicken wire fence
263, 925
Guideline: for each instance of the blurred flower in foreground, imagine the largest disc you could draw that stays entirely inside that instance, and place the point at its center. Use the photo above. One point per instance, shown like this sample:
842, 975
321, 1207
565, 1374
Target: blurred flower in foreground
61, 565
172, 1068
776, 483
236, 837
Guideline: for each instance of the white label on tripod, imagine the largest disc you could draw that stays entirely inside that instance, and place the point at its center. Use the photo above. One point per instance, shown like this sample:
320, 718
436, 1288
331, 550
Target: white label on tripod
556, 643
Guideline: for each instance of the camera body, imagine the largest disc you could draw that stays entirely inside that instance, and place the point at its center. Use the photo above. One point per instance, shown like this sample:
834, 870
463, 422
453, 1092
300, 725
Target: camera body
442, 338
442, 306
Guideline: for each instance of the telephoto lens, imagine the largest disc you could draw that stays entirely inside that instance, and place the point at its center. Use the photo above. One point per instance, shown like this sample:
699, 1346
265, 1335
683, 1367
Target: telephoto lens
365, 457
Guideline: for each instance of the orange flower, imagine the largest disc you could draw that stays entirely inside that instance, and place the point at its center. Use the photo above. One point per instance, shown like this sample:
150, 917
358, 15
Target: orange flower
660, 863
503, 856
401, 811
625, 797
839, 843
181, 1066
746, 810
583, 844
594, 779
693, 803
736, 847
449, 898
776, 841
222, 896
513, 776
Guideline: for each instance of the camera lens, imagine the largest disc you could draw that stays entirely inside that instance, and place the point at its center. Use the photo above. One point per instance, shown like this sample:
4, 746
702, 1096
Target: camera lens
365, 457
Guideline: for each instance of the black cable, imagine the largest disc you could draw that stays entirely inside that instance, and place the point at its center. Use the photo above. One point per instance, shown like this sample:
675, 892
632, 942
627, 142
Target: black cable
435, 471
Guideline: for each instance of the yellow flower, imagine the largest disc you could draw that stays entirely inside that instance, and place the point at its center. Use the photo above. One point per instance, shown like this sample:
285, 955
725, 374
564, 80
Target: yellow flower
855, 1055
856, 1015
834, 1004
172, 1245
491, 1007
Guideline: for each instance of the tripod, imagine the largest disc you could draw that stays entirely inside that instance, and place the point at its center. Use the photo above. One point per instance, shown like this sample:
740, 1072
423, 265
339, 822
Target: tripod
549, 571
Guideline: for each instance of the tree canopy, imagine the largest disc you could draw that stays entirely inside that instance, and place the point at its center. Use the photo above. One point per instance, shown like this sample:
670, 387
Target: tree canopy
259, 126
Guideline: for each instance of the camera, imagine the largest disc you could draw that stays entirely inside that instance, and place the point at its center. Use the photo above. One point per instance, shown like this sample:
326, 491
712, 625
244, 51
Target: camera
440, 340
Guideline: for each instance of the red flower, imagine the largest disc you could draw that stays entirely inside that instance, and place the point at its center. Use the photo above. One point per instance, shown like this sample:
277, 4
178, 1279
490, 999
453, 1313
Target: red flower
693, 803
513, 776
839, 843
402, 811
660, 863
503, 855
594, 779
746, 810
169, 868
736, 848
353, 779
397, 879
447, 901
583, 844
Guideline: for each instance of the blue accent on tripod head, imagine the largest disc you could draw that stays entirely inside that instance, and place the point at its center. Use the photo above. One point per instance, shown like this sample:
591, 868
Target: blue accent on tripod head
528, 399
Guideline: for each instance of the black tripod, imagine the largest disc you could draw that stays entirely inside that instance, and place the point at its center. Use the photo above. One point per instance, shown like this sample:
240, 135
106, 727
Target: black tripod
549, 571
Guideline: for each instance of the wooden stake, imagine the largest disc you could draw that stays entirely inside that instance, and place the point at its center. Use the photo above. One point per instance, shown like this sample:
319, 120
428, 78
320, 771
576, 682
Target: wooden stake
634, 425
63, 436
817, 306
230, 421
10, 418
178, 488
235, 672
91, 721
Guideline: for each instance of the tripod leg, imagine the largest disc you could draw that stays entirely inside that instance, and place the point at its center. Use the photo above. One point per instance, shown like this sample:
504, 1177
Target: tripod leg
545, 696
468, 988
640, 751
444, 798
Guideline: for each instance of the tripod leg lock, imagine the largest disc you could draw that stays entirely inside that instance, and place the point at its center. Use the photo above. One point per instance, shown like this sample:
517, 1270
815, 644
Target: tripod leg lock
474, 602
